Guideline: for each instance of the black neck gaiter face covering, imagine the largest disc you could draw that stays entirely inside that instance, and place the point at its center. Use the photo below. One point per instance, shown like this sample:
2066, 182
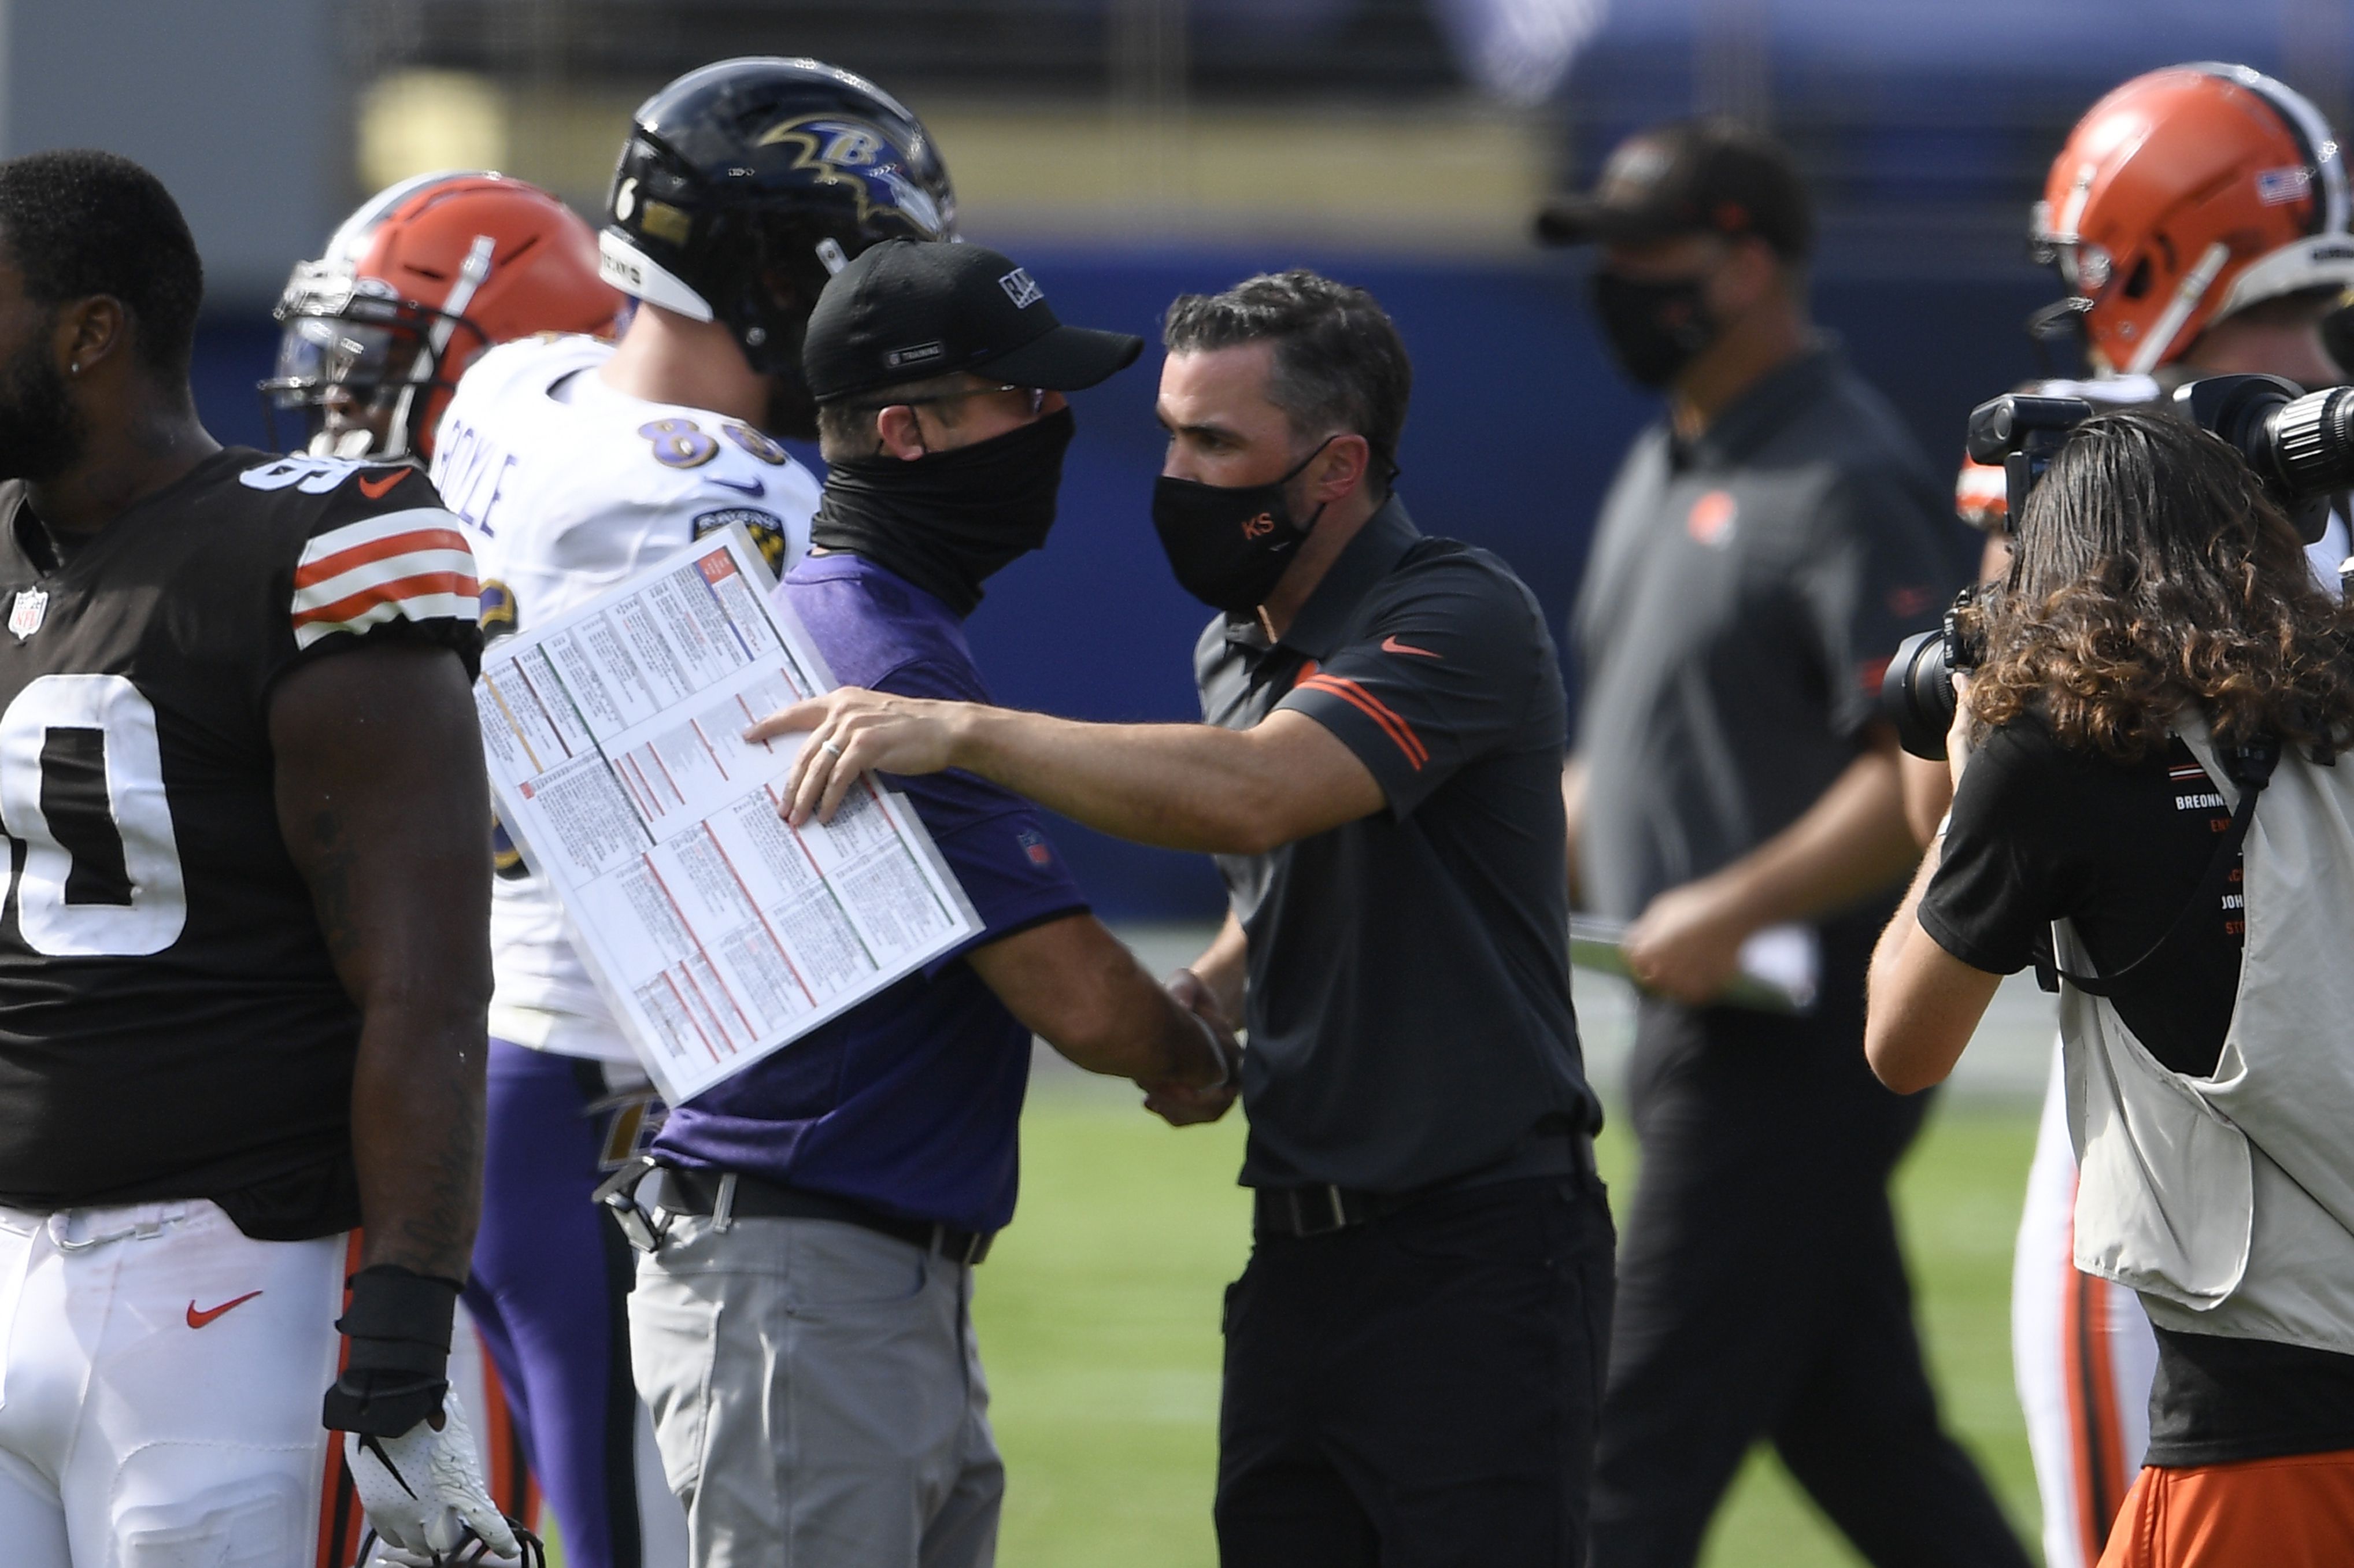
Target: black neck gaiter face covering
948, 520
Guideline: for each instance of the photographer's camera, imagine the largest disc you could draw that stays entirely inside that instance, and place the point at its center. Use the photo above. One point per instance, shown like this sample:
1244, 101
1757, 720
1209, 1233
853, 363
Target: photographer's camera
2299, 444
1917, 693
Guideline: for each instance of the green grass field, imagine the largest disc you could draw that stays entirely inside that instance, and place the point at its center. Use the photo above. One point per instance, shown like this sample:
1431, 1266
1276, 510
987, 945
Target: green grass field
1098, 1317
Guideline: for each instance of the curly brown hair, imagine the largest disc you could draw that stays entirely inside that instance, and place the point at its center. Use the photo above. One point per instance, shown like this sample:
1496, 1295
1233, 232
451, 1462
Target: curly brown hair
2152, 575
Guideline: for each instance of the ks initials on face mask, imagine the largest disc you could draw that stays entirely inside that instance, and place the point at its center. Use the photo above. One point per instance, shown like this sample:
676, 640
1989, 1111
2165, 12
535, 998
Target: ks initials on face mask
1229, 545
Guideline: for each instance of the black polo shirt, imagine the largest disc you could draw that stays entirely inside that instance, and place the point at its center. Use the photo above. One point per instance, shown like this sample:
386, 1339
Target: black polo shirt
1409, 1012
1743, 595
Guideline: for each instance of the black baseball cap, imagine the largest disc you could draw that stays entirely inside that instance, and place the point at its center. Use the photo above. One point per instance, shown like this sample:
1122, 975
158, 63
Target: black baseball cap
908, 310
1689, 177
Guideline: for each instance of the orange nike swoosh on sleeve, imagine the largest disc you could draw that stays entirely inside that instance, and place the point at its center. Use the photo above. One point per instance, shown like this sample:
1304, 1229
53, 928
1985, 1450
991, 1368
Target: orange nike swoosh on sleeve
1392, 645
199, 1320
375, 489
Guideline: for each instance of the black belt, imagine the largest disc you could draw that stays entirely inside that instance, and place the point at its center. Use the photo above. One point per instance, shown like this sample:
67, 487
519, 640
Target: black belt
1322, 1210
750, 1198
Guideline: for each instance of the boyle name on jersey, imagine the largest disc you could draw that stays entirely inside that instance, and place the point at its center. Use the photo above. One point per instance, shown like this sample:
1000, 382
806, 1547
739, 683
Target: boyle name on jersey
568, 486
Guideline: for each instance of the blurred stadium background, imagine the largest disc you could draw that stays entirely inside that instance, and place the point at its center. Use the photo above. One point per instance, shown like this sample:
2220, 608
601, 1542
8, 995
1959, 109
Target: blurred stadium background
1127, 150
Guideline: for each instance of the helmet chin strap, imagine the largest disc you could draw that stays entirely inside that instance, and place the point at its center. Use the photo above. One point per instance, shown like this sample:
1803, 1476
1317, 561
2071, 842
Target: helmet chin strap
641, 277
2163, 331
426, 367
2062, 321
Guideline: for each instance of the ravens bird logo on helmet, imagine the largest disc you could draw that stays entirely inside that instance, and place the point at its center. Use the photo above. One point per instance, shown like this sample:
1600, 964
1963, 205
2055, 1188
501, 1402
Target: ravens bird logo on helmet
745, 185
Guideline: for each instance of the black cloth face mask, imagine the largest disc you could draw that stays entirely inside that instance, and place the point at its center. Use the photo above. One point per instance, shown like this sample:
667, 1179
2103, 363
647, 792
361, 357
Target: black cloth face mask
1654, 329
1229, 545
948, 520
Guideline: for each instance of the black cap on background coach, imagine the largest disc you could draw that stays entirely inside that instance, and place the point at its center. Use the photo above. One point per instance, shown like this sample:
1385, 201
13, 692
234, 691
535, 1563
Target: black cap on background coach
909, 310
1689, 177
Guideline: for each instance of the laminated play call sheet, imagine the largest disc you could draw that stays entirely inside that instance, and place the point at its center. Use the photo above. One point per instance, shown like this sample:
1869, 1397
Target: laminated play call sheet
718, 932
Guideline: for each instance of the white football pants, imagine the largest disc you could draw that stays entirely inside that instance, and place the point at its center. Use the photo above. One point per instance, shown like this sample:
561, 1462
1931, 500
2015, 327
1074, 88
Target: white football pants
160, 1380
2082, 1354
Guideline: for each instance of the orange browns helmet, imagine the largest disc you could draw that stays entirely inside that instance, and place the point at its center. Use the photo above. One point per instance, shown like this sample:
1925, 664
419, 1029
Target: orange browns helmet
415, 285
2186, 194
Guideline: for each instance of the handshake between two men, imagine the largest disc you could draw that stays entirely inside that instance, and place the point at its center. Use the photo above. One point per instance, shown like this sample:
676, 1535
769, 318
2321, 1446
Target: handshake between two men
849, 732
1380, 752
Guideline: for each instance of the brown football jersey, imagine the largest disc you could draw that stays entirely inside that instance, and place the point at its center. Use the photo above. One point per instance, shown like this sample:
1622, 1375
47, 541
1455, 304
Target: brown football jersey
170, 1024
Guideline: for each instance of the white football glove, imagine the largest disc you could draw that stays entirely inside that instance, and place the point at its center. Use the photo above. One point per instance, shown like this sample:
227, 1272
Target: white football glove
423, 1490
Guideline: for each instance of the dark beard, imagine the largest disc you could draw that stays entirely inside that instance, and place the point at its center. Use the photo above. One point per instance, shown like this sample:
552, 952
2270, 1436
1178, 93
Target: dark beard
41, 435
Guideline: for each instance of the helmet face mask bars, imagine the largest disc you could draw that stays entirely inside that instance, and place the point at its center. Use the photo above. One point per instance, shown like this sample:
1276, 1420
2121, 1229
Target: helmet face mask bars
412, 286
745, 185
2184, 195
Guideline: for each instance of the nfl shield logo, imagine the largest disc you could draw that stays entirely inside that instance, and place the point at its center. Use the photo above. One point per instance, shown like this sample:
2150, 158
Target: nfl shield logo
25, 615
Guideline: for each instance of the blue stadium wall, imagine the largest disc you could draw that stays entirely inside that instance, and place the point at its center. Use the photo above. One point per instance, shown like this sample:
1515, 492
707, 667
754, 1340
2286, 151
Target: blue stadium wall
1517, 424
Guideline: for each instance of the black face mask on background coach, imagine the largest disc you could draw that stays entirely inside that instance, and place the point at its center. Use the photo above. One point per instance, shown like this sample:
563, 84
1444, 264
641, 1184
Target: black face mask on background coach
1654, 327
1702, 228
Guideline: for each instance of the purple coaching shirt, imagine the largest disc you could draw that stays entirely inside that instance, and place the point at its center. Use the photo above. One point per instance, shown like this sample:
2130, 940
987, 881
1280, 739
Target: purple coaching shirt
909, 1102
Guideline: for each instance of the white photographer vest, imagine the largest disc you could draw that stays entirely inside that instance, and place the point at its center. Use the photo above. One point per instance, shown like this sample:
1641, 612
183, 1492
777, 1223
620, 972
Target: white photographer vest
2227, 1203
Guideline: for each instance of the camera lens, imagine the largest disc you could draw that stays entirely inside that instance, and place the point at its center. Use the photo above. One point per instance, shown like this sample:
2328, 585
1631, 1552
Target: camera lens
2310, 443
1916, 694
2300, 444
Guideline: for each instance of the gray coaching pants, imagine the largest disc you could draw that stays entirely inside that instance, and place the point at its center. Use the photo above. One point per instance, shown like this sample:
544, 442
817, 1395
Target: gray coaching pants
817, 1397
